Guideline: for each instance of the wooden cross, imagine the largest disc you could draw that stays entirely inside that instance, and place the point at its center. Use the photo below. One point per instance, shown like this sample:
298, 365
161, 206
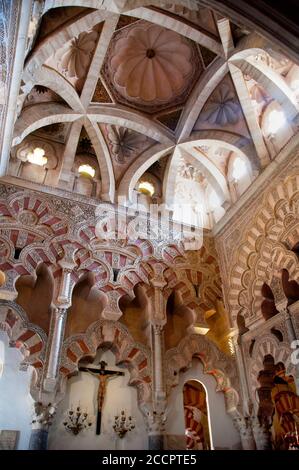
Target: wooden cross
103, 376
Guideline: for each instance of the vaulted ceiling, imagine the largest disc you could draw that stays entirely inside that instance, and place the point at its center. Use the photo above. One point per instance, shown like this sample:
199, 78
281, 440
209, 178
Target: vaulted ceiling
170, 94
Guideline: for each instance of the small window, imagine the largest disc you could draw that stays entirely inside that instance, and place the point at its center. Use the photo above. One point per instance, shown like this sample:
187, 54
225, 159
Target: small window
276, 120
146, 187
37, 157
87, 170
239, 169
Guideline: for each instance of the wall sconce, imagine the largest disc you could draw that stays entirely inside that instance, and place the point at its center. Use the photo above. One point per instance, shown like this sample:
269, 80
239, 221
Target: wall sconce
76, 421
123, 424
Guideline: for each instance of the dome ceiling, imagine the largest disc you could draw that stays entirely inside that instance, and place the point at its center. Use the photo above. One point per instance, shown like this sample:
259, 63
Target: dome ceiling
173, 83
150, 67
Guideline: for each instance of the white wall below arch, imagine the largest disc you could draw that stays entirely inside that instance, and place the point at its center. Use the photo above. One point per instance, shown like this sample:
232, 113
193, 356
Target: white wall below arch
223, 433
16, 404
119, 396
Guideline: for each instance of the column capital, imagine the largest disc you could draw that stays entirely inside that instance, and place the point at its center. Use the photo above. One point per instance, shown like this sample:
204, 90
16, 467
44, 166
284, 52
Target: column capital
158, 328
285, 311
43, 415
60, 312
156, 422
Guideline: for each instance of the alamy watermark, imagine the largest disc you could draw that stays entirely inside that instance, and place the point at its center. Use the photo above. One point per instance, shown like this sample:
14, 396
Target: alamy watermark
153, 222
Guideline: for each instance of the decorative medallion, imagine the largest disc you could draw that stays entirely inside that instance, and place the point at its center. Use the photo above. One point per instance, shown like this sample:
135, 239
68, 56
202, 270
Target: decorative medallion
222, 108
28, 218
125, 143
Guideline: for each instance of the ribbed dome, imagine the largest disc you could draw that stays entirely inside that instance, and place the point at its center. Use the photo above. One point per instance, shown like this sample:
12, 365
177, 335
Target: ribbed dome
151, 64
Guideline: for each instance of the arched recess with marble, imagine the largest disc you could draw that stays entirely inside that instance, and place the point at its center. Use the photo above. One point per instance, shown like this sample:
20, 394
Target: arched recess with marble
268, 343
112, 342
128, 353
81, 390
197, 358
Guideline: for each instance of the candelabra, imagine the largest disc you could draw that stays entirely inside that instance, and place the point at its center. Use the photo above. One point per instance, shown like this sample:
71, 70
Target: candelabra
123, 424
76, 421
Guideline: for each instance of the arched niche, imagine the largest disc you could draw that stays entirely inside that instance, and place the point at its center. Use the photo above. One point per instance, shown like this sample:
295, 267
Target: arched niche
35, 293
179, 319
290, 287
81, 390
276, 128
239, 174
268, 306
86, 307
219, 418
197, 416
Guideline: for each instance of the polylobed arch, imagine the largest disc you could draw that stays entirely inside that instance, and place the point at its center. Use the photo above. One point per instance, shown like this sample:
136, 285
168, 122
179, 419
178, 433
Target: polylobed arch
115, 336
267, 344
270, 220
197, 346
30, 339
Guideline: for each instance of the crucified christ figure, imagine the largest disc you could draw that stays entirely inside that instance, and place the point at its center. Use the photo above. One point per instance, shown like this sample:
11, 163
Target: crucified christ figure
103, 376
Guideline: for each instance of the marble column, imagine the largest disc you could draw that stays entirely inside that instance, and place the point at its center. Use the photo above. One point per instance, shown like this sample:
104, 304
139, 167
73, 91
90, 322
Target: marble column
289, 324
56, 337
244, 426
262, 434
292, 339
57, 328
158, 363
157, 308
15, 19
242, 373
156, 426
40, 426
157, 418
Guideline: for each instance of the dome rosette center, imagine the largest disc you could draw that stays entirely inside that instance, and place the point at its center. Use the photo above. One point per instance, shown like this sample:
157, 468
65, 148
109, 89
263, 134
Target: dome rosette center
150, 53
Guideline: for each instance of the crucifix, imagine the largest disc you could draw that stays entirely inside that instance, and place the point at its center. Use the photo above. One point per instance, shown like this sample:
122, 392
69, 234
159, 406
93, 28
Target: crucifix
103, 376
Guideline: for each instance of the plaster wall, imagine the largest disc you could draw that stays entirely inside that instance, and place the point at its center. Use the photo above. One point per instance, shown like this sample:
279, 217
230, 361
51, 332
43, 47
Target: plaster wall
82, 389
16, 404
222, 431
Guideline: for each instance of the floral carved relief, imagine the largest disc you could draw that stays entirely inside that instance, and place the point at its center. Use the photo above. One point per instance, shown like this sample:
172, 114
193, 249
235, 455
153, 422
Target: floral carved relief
75, 58
125, 143
223, 108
